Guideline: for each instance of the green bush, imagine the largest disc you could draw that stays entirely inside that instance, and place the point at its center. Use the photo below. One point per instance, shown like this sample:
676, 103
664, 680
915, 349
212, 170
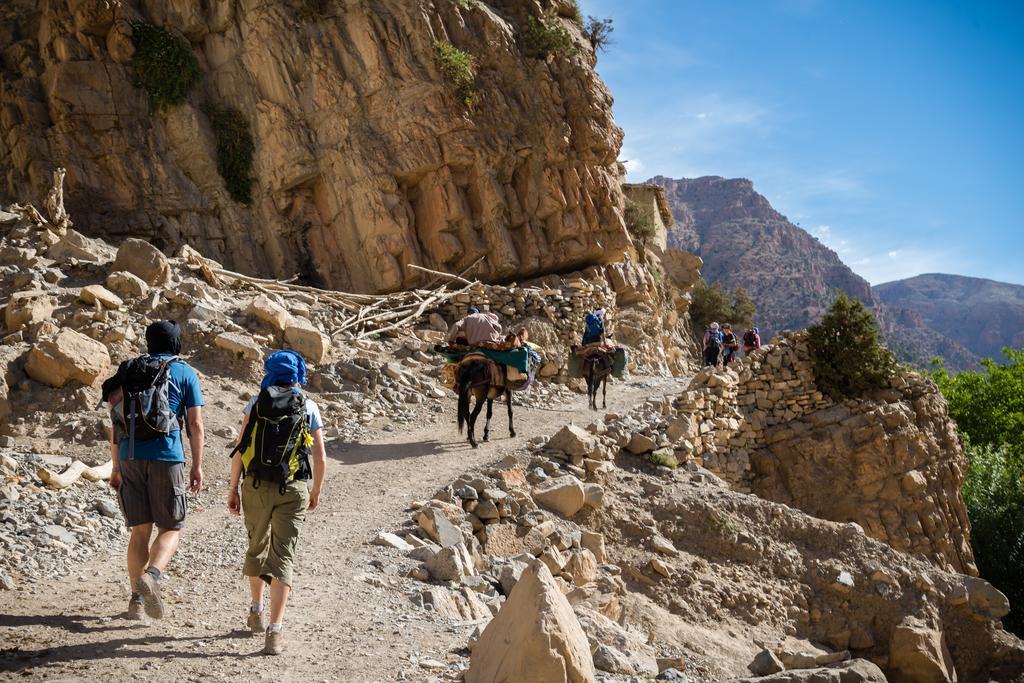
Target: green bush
577, 14
664, 458
714, 303
547, 36
847, 356
460, 68
639, 220
988, 408
164, 65
235, 148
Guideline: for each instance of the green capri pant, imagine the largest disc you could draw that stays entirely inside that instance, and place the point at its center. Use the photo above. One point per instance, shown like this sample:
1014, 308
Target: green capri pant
273, 519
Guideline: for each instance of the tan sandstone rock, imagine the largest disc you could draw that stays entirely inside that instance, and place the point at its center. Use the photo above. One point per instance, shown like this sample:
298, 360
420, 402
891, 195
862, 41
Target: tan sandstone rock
240, 344
93, 293
304, 337
535, 637
68, 356
127, 284
919, 653
565, 495
270, 312
144, 260
27, 308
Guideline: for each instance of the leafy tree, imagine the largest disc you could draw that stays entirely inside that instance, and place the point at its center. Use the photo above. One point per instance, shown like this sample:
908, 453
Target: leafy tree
714, 303
598, 32
847, 356
988, 408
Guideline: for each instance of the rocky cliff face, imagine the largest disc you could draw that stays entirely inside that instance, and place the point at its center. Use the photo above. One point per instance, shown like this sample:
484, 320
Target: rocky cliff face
982, 315
365, 158
744, 242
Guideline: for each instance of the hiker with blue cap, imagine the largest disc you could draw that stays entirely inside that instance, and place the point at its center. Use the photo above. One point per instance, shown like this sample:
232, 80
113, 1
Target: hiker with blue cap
280, 449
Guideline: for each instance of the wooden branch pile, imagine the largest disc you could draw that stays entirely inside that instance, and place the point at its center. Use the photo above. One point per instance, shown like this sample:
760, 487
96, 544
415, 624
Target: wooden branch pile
362, 315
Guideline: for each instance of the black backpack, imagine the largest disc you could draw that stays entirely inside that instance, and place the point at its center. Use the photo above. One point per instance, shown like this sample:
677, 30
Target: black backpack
275, 445
144, 412
749, 338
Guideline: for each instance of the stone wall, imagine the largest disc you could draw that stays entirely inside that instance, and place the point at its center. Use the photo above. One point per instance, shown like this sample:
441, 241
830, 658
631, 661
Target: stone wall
891, 462
365, 159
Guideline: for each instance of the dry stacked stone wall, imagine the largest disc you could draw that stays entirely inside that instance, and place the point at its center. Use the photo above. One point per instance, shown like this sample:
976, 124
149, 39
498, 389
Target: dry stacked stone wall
891, 463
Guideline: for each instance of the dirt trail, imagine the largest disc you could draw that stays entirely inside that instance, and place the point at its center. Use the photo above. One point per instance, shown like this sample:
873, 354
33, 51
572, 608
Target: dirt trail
350, 618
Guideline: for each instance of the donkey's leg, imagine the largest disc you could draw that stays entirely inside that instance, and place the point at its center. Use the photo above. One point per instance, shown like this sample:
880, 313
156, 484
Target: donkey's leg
472, 420
487, 422
508, 397
604, 393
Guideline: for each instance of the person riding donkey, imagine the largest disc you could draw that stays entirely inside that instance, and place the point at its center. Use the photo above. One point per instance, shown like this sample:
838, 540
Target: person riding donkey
280, 448
476, 328
594, 326
150, 398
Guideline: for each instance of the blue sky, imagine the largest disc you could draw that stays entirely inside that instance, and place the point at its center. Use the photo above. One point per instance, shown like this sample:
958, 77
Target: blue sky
891, 130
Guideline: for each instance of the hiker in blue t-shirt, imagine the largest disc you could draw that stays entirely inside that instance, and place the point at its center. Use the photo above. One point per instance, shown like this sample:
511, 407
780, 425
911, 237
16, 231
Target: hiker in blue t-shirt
149, 473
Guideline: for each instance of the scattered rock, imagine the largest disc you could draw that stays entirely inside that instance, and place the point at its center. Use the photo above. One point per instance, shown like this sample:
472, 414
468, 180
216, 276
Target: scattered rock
93, 293
919, 653
438, 528
240, 344
390, 540
572, 440
765, 662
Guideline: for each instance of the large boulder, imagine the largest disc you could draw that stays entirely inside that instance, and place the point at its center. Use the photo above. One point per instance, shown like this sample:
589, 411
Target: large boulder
126, 283
27, 308
242, 345
535, 637
638, 658
985, 599
68, 356
565, 495
919, 653
304, 337
572, 440
269, 311
451, 563
143, 259
90, 294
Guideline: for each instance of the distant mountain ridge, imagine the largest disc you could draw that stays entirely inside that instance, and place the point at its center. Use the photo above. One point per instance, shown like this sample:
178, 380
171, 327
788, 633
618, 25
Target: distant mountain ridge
790, 275
982, 315
744, 242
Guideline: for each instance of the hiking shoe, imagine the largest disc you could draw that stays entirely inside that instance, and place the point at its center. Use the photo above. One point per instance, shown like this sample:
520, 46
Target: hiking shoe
257, 622
275, 642
134, 610
149, 588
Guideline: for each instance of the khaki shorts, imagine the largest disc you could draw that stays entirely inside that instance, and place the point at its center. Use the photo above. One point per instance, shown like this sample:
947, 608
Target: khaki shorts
272, 520
153, 492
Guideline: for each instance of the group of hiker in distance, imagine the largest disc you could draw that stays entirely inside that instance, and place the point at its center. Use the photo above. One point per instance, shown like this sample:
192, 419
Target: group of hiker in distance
278, 462
722, 342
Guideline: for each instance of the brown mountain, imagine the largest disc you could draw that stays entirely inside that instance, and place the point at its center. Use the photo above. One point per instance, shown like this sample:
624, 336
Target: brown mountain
790, 275
982, 315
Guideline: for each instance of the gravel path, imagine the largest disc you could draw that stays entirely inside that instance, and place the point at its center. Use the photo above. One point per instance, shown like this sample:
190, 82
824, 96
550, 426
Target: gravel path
351, 617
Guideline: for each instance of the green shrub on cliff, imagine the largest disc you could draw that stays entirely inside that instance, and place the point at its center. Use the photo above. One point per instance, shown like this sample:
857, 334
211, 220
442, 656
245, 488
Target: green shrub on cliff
547, 36
988, 408
639, 220
235, 148
460, 68
164, 65
847, 355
